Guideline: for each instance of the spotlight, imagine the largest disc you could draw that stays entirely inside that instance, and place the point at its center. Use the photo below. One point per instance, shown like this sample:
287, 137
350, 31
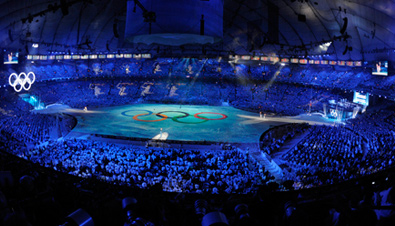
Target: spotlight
214, 218
242, 212
80, 218
129, 205
289, 209
200, 207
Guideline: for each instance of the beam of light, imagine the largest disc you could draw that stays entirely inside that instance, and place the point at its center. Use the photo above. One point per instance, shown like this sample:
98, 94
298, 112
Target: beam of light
197, 75
74, 110
317, 120
62, 108
240, 76
194, 78
181, 64
162, 136
270, 83
186, 63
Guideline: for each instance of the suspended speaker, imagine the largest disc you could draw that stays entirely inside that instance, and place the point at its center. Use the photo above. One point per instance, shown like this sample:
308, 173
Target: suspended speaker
115, 29
202, 25
348, 48
10, 35
301, 18
345, 24
273, 23
64, 7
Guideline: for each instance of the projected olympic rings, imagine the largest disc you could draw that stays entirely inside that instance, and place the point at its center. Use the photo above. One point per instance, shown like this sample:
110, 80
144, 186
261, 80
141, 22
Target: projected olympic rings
21, 81
176, 118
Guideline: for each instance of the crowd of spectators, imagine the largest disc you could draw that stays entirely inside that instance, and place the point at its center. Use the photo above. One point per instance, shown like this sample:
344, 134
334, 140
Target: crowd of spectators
175, 170
344, 78
322, 158
326, 155
332, 154
206, 171
33, 195
28, 127
274, 98
186, 81
272, 140
379, 128
277, 98
36, 128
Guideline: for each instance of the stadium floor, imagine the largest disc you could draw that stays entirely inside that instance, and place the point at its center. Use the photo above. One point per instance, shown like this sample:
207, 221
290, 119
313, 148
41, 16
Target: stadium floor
181, 122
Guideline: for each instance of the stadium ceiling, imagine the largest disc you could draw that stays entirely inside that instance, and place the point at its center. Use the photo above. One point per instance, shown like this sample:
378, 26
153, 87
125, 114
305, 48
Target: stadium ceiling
356, 29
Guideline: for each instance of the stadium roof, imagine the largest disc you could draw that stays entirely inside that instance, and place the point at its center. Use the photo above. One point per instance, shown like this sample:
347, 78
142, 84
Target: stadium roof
356, 29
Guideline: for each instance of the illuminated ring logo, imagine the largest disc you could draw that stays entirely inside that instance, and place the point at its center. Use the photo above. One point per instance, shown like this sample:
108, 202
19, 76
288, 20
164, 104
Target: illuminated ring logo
175, 118
223, 116
333, 112
185, 114
124, 113
19, 81
136, 117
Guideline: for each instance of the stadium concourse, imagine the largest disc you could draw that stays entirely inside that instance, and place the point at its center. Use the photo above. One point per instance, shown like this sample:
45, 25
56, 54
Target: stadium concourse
184, 112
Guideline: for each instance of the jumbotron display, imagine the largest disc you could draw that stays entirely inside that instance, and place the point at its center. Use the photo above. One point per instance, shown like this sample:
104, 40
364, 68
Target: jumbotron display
380, 68
360, 98
11, 57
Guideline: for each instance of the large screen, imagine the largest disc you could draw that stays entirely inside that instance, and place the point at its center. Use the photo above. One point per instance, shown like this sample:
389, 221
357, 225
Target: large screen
11, 57
361, 98
380, 68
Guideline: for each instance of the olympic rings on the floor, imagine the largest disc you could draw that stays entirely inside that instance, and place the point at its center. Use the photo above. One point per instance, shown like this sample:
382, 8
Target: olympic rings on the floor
124, 113
136, 117
174, 118
197, 115
186, 114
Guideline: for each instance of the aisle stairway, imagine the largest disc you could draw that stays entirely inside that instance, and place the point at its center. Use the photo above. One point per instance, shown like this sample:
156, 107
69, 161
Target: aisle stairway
269, 164
288, 145
272, 164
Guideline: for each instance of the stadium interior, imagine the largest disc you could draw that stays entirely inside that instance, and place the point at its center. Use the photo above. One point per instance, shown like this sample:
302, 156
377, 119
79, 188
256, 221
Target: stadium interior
197, 112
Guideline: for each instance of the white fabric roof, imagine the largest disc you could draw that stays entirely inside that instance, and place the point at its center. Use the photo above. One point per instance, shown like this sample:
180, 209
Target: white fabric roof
371, 26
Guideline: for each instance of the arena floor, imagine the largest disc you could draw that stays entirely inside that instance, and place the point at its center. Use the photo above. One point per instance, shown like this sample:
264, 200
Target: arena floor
180, 122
